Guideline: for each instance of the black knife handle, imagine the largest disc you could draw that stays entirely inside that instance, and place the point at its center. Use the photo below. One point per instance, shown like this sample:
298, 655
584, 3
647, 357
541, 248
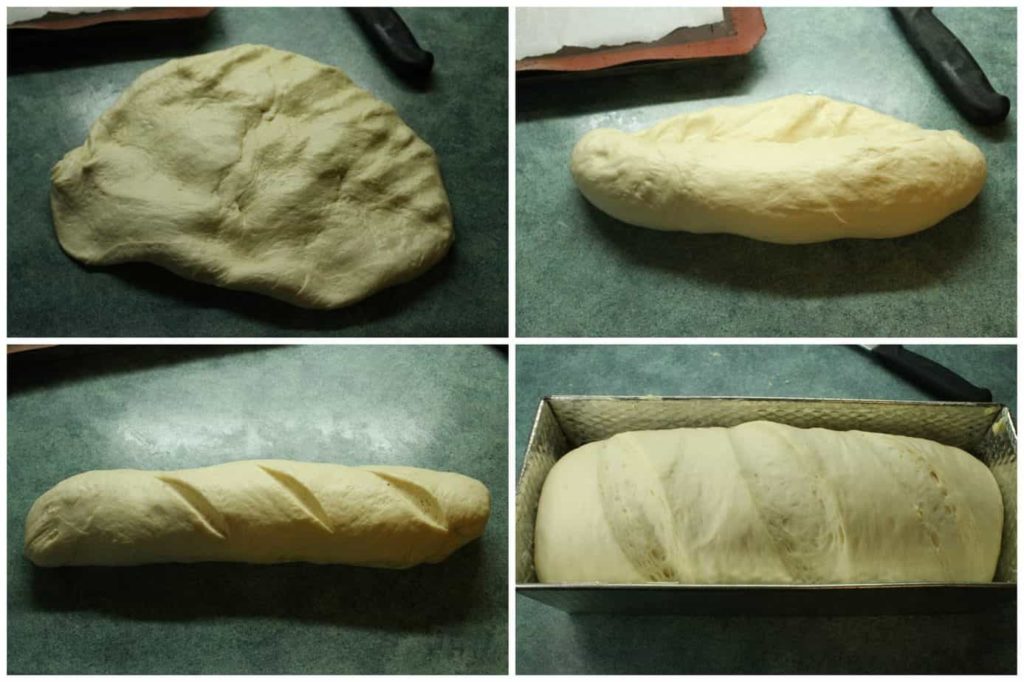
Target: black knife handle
394, 41
952, 65
930, 376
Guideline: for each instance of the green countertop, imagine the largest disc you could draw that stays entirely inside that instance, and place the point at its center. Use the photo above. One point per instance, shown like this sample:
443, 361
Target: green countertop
583, 273
550, 641
440, 407
463, 116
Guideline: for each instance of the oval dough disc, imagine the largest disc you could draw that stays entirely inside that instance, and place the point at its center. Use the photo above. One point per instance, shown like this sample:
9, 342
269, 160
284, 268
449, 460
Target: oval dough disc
793, 170
255, 169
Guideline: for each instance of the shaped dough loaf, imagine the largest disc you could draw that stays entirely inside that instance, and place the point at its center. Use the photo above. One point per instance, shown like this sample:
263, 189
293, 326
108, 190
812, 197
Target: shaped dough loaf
792, 170
767, 503
256, 169
258, 511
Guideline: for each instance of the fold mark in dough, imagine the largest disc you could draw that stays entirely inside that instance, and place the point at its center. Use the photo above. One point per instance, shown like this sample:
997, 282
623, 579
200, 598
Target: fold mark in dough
774, 539
669, 567
209, 518
635, 533
813, 560
305, 498
421, 499
43, 529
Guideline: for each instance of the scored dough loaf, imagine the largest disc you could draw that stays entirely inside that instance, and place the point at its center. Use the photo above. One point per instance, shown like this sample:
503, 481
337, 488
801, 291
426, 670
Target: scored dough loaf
767, 503
257, 511
792, 170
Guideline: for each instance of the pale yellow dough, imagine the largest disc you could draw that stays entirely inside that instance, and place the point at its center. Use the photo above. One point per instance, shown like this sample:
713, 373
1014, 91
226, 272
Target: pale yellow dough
793, 170
257, 511
257, 169
767, 503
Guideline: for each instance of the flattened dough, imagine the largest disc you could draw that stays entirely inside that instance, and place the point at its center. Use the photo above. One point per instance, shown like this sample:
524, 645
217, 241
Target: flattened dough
255, 169
767, 503
257, 511
793, 170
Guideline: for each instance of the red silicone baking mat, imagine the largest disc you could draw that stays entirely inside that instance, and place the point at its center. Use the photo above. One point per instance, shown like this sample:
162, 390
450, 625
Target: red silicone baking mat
60, 21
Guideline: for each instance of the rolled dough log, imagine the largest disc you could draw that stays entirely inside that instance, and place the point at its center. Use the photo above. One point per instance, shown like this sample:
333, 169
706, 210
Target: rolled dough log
767, 503
793, 170
257, 511
256, 169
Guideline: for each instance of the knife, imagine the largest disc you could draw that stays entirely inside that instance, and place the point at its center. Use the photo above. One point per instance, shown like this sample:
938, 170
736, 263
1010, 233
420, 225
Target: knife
928, 375
952, 66
394, 42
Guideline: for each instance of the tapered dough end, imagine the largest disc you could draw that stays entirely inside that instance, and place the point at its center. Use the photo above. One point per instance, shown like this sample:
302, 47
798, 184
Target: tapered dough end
466, 501
42, 528
470, 514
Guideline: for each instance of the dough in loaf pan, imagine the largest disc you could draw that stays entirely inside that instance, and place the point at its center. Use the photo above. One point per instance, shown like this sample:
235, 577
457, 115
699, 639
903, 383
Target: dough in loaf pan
767, 503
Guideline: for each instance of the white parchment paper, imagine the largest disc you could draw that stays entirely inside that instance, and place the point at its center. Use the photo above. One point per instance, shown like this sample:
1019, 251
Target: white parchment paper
543, 30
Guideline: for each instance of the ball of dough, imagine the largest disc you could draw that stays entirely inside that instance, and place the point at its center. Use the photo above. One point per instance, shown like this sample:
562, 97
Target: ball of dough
767, 503
255, 169
793, 170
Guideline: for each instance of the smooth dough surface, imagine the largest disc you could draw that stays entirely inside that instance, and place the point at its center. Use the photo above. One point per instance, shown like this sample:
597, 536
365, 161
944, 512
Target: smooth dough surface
767, 503
256, 169
792, 170
257, 511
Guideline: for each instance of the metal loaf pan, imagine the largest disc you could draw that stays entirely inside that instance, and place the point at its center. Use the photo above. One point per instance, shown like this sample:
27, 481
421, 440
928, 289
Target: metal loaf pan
565, 422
